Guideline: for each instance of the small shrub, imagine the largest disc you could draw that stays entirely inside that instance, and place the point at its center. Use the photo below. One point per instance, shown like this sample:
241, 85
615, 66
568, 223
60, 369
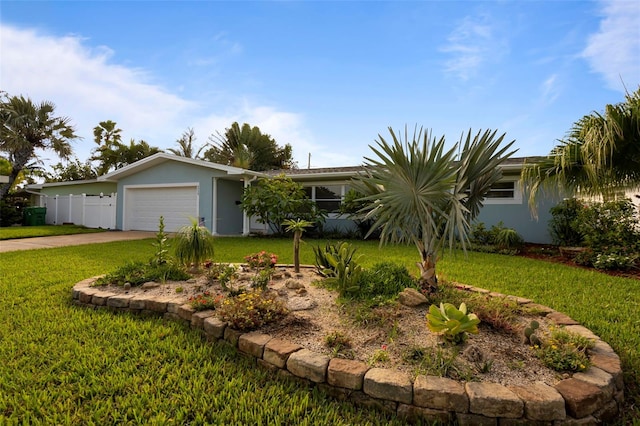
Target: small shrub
564, 351
251, 310
324, 267
223, 273
564, 226
261, 259
262, 278
344, 273
337, 341
138, 273
161, 255
498, 239
205, 301
194, 244
613, 261
508, 239
452, 323
386, 279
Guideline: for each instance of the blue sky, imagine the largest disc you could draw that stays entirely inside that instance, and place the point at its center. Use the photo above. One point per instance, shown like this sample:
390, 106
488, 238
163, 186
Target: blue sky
326, 77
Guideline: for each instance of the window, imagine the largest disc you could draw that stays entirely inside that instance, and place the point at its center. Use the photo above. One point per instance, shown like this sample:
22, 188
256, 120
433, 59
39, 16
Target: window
504, 192
327, 197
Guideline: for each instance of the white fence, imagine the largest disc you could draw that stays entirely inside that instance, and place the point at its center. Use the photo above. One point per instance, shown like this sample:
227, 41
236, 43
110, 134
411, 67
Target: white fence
92, 211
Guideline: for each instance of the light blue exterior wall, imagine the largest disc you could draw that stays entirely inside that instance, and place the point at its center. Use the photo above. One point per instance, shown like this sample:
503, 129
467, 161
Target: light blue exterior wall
229, 212
171, 172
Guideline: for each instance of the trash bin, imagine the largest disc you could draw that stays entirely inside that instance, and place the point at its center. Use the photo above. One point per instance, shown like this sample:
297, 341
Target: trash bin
35, 216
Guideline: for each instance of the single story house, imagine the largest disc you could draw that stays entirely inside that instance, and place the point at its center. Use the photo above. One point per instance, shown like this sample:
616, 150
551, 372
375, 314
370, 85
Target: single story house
180, 188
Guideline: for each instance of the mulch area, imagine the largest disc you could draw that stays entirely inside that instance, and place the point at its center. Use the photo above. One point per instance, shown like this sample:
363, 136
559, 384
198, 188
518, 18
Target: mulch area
550, 253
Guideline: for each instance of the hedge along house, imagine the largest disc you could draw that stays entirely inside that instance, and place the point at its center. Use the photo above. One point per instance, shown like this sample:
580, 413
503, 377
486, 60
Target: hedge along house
180, 188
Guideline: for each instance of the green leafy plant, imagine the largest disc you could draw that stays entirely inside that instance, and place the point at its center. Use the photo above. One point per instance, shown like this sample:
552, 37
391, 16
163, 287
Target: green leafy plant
223, 273
161, 255
441, 362
563, 225
564, 351
344, 272
194, 244
452, 323
204, 301
251, 310
379, 356
386, 279
335, 249
262, 278
138, 273
509, 239
338, 343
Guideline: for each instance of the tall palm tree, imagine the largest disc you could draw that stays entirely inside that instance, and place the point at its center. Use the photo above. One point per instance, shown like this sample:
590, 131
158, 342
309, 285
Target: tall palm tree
108, 138
26, 127
418, 192
185, 145
599, 156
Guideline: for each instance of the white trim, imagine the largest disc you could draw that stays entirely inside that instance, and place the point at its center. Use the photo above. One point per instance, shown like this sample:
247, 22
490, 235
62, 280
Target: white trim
214, 206
517, 194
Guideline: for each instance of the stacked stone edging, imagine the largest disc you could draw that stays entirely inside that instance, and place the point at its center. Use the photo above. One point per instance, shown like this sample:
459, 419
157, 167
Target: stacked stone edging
591, 397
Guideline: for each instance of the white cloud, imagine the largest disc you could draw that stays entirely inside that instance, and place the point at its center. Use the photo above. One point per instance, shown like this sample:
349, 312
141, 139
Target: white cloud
614, 50
471, 44
550, 90
88, 86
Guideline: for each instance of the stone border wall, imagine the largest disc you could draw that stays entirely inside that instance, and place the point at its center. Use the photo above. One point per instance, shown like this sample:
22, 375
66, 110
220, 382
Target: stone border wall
590, 397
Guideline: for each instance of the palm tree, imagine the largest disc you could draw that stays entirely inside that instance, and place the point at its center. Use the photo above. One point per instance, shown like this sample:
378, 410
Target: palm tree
26, 127
417, 192
108, 138
297, 226
600, 155
185, 145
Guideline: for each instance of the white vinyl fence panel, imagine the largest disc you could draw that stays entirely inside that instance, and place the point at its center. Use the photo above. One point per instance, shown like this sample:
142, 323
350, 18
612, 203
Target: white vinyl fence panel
92, 211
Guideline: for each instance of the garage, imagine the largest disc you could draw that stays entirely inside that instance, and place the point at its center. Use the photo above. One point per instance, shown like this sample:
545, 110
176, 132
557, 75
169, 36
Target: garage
143, 206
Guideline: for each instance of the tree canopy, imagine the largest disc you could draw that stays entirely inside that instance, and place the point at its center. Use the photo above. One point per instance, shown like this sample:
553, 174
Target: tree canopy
111, 154
25, 128
247, 147
599, 156
185, 145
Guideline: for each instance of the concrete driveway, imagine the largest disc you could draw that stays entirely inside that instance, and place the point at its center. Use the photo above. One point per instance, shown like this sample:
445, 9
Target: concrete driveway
72, 240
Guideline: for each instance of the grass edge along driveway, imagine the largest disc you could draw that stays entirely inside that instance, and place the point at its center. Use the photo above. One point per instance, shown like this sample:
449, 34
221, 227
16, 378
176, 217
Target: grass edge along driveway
70, 365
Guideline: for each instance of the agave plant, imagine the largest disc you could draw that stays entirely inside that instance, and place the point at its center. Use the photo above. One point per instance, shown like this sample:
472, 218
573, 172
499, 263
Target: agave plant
194, 244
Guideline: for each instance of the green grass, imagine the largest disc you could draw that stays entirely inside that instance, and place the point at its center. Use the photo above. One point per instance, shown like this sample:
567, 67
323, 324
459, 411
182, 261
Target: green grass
12, 232
66, 365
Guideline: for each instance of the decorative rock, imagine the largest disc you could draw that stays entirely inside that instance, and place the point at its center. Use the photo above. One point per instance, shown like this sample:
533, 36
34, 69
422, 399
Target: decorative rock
185, 312
391, 385
412, 297
100, 298
197, 319
475, 420
600, 378
302, 292
607, 413
602, 348
581, 398
585, 421
293, 284
158, 304
253, 343
121, 301
127, 286
138, 303
361, 399
561, 319
541, 402
308, 365
277, 351
232, 336
300, 303
346, 373
214, 327
582, 331
493, 400
150, 284
415, 414
440, 393
86, 294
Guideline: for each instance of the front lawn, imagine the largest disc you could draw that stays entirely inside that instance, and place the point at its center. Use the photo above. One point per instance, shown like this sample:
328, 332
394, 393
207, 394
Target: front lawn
13, 232
67, 365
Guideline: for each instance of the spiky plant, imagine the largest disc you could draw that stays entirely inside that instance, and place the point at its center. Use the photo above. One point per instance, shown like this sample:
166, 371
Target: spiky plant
194, 244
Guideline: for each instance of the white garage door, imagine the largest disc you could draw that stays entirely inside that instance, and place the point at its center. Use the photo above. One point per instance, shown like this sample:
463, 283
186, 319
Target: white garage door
144, 206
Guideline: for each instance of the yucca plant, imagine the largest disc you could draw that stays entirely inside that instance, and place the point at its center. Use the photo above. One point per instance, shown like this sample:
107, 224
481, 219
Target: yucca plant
194, 244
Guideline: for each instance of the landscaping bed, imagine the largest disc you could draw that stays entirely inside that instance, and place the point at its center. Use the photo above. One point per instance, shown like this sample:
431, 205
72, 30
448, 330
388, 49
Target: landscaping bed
393, 339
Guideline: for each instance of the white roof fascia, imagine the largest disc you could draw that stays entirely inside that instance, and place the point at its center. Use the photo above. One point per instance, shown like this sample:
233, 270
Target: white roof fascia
161, 157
